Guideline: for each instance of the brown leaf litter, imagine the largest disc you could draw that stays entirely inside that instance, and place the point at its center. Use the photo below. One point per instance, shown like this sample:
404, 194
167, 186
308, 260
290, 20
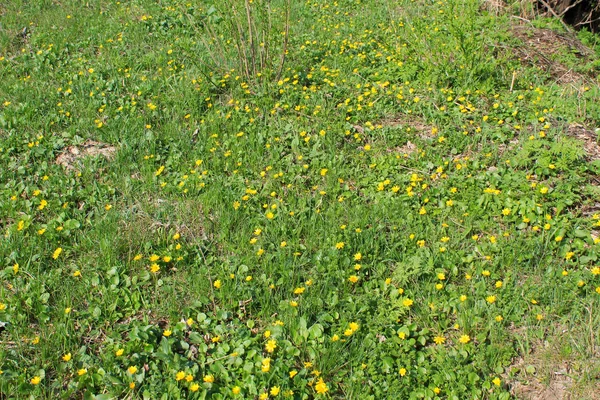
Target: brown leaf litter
588, 137
541, 48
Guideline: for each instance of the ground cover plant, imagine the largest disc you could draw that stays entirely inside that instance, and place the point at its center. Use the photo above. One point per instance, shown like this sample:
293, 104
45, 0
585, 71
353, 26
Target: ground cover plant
352, 199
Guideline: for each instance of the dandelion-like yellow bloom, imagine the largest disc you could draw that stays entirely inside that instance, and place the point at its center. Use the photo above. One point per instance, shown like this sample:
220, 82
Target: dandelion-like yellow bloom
321, 387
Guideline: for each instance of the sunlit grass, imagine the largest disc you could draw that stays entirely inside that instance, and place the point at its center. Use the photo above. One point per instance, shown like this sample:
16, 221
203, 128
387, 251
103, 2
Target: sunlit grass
400, 211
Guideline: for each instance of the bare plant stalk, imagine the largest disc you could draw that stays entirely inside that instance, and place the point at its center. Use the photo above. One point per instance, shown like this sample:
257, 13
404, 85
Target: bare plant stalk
556, 15
240, 42
251, 37
265, 33
285, 40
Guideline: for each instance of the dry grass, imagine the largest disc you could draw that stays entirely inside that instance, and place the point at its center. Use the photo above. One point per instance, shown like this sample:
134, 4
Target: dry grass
414, 122
541, 47
588, 137
553, 369
185, 217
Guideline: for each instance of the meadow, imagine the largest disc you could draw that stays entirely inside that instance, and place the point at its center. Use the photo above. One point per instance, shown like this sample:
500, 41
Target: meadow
264, 199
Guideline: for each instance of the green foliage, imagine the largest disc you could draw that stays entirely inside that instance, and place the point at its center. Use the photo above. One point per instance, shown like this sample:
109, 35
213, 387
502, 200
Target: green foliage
350, 199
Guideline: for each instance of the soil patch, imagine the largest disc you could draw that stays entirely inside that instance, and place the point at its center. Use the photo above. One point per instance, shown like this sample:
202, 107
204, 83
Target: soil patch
73, 154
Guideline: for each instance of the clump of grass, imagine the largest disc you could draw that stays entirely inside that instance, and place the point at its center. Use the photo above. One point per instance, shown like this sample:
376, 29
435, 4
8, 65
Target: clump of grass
250, 37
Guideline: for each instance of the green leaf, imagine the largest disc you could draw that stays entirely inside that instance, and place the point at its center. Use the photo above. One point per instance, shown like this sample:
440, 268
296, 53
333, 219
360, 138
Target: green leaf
71, 224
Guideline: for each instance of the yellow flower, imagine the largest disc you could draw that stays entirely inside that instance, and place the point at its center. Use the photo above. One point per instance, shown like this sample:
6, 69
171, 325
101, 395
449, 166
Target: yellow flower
407, 302
209, 378
321, 387
167, 333
265, 365
189, 378
131, 385
497, 381
275, 391
236, 390
490, 299
119, 352
217, 284
464, 339
402, 371
66, 357
35, 380
353, 278
293, 373
82, 371
194, 387
57, 253
294, 303
357, 257
353, 326
439, 339
179, 375
271, 346
339, 245
132, 370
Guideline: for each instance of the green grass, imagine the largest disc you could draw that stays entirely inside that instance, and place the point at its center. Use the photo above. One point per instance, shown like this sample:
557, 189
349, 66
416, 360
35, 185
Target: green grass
397, 210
